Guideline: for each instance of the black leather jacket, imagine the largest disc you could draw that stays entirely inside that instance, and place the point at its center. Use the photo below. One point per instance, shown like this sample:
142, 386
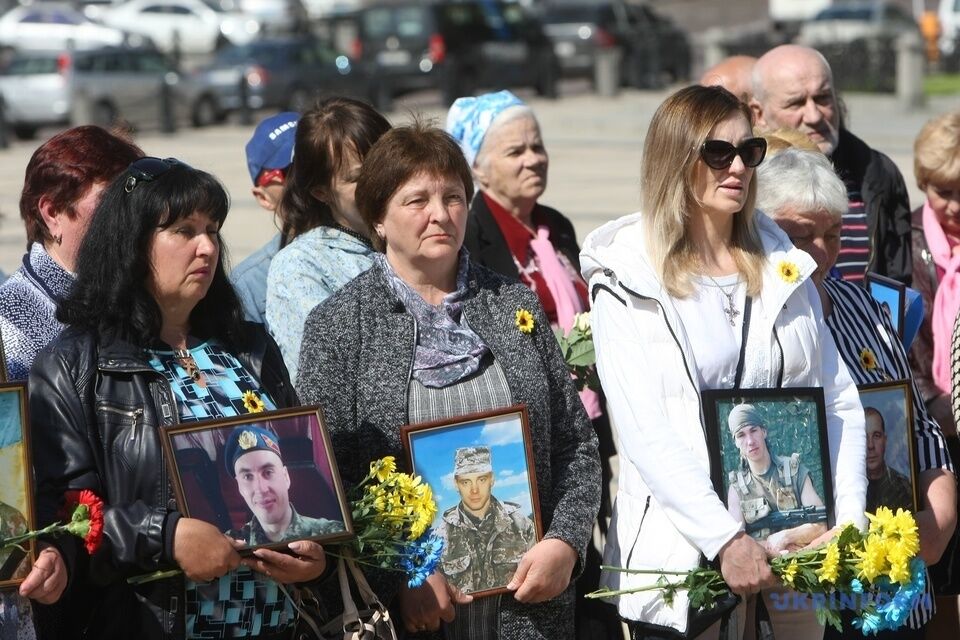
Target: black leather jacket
95, 408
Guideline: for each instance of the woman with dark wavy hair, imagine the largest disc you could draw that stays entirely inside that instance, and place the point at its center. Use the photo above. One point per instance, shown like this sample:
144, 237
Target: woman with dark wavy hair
324, 243
156, 337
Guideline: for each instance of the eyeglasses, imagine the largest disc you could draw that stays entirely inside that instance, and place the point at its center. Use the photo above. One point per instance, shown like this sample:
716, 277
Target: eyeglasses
270, 176
148, 169
719, 154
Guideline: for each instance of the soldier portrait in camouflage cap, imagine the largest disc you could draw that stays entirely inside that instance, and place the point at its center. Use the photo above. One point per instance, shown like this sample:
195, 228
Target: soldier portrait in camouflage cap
484, 537
771, 462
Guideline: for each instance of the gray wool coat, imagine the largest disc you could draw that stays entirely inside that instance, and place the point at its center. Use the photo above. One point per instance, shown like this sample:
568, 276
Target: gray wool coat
356, 363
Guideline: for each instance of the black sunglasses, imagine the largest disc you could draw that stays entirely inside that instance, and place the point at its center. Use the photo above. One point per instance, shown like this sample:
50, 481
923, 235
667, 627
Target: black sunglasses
719, 154
148, 169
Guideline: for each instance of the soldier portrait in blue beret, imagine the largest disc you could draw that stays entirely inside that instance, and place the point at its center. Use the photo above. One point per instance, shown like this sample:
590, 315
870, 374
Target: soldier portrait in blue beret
252, 457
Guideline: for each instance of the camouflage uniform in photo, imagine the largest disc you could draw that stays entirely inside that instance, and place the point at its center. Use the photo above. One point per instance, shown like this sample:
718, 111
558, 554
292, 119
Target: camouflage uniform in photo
12, 523
892, 489
300, 527
483, 553
778, 489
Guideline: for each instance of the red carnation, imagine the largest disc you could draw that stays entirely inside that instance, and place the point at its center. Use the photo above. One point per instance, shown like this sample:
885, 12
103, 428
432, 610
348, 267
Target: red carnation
87, 520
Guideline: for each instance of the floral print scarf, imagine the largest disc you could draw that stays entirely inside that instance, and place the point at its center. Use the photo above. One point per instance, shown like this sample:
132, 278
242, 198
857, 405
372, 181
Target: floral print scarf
447, 350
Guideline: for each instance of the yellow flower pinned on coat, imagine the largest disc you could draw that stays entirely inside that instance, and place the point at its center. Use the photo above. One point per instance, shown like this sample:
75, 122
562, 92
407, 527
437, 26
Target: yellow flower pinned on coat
524, 321
868, 359
252, 402
789, 272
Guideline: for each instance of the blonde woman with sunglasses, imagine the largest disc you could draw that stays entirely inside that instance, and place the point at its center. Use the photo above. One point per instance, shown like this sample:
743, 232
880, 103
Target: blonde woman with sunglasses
698, 291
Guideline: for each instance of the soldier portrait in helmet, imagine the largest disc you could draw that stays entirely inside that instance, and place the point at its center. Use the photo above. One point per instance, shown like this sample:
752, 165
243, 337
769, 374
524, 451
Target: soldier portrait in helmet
16, 491
488, 512
770, 463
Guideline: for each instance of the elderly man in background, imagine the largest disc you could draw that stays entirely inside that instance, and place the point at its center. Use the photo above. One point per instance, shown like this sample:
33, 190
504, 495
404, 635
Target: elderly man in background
793, 88
735, 74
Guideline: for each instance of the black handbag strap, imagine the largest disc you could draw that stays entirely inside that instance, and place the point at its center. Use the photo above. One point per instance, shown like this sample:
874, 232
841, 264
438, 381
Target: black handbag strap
744, 332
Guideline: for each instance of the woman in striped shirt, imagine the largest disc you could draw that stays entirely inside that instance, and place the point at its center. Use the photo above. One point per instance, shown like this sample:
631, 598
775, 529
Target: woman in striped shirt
802, 193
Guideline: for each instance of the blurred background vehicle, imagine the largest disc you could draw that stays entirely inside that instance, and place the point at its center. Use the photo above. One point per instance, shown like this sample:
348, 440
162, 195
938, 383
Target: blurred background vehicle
274, 16
102, 86
652, 49
192, 26
849, 21
280, 73
51, 25
457, 47
317, 9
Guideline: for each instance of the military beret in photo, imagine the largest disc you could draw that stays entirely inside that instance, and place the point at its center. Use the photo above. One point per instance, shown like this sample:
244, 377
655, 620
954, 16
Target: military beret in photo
246, 439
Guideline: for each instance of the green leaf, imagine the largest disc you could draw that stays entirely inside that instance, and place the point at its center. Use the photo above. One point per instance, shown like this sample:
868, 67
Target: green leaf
582, 355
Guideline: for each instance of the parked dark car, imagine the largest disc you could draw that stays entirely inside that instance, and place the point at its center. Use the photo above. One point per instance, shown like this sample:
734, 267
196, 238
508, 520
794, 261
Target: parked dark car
279, 73
457, 47
652, 48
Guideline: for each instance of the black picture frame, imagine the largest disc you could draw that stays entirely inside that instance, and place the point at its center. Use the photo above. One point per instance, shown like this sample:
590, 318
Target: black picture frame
797, 450
17, 509
892, 403
891, 295
432, 453
207, 489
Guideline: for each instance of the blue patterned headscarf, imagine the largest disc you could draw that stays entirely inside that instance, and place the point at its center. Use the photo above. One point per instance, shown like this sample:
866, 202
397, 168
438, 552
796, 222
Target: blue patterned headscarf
469, 119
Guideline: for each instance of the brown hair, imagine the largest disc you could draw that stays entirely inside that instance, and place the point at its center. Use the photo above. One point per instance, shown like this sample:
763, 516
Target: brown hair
936, 151
326, 133
65, 167
667, 175
400, 154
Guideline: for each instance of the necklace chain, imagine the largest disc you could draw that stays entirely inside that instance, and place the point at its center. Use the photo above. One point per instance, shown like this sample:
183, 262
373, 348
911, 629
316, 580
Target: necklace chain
731, 308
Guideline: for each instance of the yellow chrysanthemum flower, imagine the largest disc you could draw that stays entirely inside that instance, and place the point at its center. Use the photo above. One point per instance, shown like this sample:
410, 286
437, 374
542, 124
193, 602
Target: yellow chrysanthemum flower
868, 359
788, 272
252, 402
524, 321
905, 528
830, 568
873, 558
790, 573
382, 469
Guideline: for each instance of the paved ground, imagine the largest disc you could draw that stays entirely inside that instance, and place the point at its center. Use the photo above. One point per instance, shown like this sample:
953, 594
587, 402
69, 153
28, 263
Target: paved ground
594, 145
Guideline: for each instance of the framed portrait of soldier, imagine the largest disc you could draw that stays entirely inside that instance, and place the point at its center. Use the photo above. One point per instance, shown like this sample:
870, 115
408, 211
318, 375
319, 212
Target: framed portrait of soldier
484, 481
16, 487
891, 447
891, 295
264, 478
770, 462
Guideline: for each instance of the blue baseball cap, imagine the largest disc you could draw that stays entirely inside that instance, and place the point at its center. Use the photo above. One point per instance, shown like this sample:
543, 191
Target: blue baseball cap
271, 146
246, 439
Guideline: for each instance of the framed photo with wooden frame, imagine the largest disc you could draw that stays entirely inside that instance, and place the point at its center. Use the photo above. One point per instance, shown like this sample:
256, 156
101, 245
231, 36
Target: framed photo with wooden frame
892, 473
16, 488
265, 478
483, 476
891, 295
770, 462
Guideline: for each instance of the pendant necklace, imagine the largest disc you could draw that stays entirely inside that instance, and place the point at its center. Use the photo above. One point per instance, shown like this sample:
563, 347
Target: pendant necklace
185, 360
730, 309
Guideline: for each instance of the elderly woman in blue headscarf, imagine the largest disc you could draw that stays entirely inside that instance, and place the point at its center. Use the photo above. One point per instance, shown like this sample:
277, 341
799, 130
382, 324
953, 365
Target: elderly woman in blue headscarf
510, 232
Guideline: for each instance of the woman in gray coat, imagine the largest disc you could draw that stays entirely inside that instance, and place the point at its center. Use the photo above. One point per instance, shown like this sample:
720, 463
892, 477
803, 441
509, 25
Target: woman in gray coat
426, 335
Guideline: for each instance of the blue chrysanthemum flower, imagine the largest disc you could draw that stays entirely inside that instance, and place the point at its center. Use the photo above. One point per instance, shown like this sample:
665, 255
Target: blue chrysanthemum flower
868, 623
419, 559
856, 586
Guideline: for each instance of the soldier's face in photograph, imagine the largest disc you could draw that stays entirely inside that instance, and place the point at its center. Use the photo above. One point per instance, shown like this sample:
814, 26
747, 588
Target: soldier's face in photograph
475, 491
876, 442
264, 483
751, 440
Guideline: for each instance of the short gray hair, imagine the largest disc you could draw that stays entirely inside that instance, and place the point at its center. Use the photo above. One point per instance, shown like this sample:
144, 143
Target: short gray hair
802, 181
509, 114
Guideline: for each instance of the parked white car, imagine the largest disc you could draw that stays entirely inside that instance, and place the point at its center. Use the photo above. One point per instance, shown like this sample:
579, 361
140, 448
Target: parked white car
949, 14
848, 21
196, 25
47, 26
